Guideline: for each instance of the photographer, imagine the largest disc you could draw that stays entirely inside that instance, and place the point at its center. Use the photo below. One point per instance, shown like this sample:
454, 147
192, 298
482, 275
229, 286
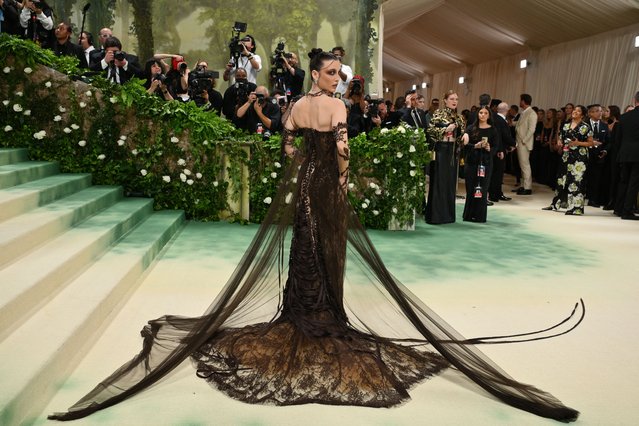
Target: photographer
10, 14
285, 73
378, 112
246, 59
36, 19
260, 113
201, 88
237, 94
119, 67
357, 121
345, 72
155, 79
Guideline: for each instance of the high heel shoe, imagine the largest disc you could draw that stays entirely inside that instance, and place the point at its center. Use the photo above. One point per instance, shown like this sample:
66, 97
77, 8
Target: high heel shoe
574, 212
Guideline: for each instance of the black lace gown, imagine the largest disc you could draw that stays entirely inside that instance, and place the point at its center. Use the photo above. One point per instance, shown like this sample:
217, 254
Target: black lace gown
317, 330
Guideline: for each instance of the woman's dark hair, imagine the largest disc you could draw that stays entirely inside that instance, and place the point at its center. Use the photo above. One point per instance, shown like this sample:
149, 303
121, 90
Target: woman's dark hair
89, 37
583, 109
318, 56
614, 112
148, 65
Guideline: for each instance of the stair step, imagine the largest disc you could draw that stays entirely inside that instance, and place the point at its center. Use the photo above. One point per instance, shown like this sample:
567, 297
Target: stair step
28, 196
54, 339
18, 173
30, 282
13, 155
21, 234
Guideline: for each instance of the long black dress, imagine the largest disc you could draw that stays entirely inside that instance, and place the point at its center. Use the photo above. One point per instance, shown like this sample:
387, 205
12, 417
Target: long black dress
321, 338
477, 167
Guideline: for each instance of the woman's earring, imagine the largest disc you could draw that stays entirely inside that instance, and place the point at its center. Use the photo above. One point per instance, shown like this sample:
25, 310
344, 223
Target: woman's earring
315, 80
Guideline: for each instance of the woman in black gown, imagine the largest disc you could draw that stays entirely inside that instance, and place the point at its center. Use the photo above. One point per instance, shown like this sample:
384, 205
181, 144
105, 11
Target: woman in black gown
477, 166
446, 133
321, 339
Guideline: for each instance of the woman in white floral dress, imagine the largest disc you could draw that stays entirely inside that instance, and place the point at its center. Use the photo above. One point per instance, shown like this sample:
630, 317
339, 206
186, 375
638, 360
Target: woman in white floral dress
575, 137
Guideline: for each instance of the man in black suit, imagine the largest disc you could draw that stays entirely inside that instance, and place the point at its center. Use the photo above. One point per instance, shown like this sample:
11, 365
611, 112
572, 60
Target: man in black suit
596, 182
64, 46
506, 143
119, 67
627, 136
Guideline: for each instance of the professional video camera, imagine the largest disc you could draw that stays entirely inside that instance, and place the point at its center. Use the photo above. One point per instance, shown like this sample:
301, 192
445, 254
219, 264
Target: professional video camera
241, 91
236, 48
278, 70
356, 88
200, 80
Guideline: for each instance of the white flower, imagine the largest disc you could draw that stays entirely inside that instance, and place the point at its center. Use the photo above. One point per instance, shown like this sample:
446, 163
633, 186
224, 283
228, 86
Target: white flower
376, 160
88, 93
82, 143
198, 175
394, 170
412, 172
187, 172
27, 112
181, 162
384, 130
75, 126
182, 177
288, 198
18, 93
412, 148
372, 185
273, 175
101, 157
113, 99
40, 135
134, 152
62, 109
82, 104
28, 70
5, 102
215, 183
120, 142
268, 200
123, 137
47, 84
205, 143
100, 132
174, 139
17, 107
375, 212
8, 128
399, 154
421, 183
367, 201
351, 185
378, 191
294, 180
6, 70
189, 182
66, 130
364, 205
264, 180
276, 164
412, 163
394, 210
57, 118
416, 131
143, 172
166, 179
401, 129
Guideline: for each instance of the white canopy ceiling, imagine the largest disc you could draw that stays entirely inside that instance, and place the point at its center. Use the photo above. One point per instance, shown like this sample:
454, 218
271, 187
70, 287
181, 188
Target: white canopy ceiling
425, 37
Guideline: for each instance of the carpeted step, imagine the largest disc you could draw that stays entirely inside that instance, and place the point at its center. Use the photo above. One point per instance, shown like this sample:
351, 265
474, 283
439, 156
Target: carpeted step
19, 173
23, 233
30, 282
13, 155
40, 354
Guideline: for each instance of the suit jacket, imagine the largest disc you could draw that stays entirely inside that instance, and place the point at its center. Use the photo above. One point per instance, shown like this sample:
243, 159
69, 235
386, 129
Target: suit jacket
70, 49
525, 128
503, 131
416, 117
132, 70
602, 134
627, 134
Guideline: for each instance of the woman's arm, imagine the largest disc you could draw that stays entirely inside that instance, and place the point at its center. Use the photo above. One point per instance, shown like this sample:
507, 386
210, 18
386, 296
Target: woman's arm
338, 122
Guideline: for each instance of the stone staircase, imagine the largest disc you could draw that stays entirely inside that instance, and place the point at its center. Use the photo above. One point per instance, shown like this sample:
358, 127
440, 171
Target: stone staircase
70, 256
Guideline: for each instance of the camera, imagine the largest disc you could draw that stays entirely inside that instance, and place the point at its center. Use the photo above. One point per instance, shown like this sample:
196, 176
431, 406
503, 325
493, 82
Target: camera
236, 48
373, 107
260, 98
119, 55
201, 80
159, 76
356, 88
241, 91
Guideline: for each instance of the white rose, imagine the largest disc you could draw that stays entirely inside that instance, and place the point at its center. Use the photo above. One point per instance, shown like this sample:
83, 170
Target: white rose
399, 155
215, 183
100, 132
5, 102
376, 160
174, 139
18, 93
27, 112
378, 191
421, 183
123, 137
62, 109
101, 157
394, 170
57, 118
412, 163
88, 93
189, 182
351, 185
82, 143
82, 104
113, 99
6, 70
205, 143
17, 107
288, 198
375, 212
198, 175
66, 130
47, 84
276, 164
268, 200
367, 201
8, 128
372, 185
134, 152
39, 135
75, 126
412, 148
384, 130
412, 172
143, 172
182, 177
181, 162
294, 180
364, 205
264, 180
394, 210
166, 179
273, 175
187, 172
401, 129
28, 70
120, 142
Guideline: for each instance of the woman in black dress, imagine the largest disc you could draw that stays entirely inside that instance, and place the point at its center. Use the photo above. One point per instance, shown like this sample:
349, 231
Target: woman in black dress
446, 133
477, 166
575, 137
294, 333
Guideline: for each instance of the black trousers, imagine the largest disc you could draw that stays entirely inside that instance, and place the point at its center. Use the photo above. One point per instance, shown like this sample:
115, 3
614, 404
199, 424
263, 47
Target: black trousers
496, 178
628, 189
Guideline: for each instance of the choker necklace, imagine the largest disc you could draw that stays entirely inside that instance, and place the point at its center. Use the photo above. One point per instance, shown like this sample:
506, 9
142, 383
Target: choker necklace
319, 93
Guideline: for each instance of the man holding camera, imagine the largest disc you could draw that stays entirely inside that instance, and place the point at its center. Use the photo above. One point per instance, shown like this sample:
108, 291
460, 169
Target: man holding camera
201, 88
36, 19
294, 76
247, 59
259, 114
237, 94
119, 67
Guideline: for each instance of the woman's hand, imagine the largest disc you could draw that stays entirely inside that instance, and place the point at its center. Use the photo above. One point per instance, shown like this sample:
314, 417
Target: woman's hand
450, 127
574, 142
465, 138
